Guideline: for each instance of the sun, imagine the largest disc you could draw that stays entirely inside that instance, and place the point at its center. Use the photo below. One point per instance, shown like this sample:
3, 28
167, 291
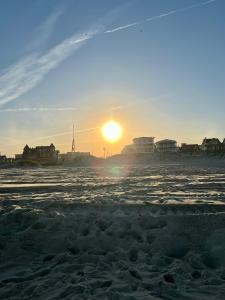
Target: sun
112, 131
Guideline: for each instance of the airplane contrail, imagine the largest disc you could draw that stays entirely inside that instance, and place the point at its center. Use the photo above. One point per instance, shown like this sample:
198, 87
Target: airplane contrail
45, 30
37, 109
67, 133
25, 74
17, 142
29, 71
123, 27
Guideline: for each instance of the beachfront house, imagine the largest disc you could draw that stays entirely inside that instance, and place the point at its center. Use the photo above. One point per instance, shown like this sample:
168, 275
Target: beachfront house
166, 146
190, 148
140, 145
212, 145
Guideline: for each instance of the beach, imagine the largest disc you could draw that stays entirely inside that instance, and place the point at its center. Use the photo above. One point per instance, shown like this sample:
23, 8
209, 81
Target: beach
154, 232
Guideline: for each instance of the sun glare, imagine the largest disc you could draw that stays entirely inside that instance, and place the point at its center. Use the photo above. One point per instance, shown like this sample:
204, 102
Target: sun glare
112, 131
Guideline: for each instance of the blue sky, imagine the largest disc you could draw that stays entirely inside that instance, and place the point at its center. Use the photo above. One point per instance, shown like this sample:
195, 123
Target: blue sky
158, 66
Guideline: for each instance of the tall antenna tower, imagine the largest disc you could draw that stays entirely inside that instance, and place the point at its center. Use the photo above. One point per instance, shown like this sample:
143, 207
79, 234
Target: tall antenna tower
73, 142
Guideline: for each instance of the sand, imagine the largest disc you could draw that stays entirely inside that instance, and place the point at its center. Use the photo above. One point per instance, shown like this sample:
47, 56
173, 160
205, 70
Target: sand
85, 251
54, 247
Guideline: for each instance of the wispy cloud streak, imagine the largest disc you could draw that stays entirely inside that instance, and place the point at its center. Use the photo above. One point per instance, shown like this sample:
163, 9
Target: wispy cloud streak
18, 142
66, 133
45, 30
37, 109
123, 27
29, 71
140, 22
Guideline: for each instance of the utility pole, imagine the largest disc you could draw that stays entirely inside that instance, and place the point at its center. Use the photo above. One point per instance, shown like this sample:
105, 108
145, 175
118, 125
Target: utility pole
73, 142
104, 152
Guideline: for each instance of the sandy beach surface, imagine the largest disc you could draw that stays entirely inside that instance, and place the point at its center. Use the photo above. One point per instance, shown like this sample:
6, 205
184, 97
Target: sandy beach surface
154, 232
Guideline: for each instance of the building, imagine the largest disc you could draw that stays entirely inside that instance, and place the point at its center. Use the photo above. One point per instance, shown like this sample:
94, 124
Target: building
18, 157
42, 154
3, 159
70, 156
223, 145
190, 148
212, 145
141, 145
166, 146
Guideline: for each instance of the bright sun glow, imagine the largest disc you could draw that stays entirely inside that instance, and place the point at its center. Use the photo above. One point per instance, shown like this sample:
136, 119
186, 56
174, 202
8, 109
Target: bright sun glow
112, 131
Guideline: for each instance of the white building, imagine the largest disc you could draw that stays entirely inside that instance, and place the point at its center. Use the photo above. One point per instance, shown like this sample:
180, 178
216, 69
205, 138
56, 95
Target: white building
141, 145
166, 146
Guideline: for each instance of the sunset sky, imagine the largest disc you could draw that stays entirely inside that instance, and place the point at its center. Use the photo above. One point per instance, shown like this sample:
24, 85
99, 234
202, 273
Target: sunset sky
155, 66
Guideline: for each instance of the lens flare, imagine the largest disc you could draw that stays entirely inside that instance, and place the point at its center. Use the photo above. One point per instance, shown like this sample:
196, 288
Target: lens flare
112, 131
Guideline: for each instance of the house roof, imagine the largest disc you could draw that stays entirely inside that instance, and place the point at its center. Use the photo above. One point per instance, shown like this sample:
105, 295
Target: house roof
166, 141
206, 140
143, 138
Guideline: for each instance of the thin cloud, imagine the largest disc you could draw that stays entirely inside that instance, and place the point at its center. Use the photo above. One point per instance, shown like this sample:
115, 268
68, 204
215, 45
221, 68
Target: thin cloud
123, 27
17, 142
66, 133
45, 30
29, 71
37, 109
197, 5
140, 22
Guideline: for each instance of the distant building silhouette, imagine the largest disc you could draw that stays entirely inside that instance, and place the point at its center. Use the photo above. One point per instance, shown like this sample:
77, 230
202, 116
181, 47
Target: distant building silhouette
18, 157
3, 158
70, 156
166, 146
190, 148
212, 145
140, 145
42, 154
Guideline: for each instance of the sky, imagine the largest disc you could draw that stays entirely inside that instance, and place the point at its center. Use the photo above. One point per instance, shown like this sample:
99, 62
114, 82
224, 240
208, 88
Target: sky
155, 66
